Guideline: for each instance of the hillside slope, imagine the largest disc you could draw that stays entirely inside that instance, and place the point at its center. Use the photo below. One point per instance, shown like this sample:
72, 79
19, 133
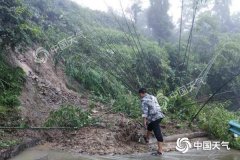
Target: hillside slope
44, 90
96, 63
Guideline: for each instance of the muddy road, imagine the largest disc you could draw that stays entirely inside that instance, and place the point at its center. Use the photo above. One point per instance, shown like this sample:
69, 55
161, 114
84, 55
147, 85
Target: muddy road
39, 153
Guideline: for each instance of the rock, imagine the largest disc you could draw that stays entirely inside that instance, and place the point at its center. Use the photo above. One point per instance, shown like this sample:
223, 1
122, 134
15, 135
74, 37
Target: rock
58, 90
94, 111
103, 125
141, 140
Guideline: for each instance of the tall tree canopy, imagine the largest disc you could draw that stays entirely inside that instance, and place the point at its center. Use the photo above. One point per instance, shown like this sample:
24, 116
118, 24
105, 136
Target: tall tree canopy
136, 9
159, 20
222, 10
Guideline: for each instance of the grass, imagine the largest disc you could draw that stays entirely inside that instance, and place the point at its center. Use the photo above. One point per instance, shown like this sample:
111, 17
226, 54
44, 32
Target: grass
69, 116
8, 143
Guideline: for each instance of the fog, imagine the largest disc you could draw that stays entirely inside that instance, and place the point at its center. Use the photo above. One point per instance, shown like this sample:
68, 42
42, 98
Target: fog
174, 11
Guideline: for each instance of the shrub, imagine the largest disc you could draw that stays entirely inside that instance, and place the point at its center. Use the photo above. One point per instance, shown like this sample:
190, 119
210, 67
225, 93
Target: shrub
69, 116
7, 99
214, 119
129, 104
9, 117
11, 82
182, 108
8, 143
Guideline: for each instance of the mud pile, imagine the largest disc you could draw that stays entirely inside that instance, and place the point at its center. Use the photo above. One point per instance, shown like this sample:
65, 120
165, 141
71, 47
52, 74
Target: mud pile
114, 135
45, 89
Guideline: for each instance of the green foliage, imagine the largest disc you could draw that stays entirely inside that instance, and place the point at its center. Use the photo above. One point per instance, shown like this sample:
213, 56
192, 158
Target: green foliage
9, 117
182, 108
214, 119
110, 59
226, 66
235, 22
7, 99
16, 29
94, 79
163, 101
106, 63
11, 82
223, 17
8, 143
128, 104
69, 116
159, 20
206, 37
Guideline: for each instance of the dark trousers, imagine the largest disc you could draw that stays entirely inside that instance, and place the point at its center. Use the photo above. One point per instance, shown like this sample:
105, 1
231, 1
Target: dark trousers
155, 127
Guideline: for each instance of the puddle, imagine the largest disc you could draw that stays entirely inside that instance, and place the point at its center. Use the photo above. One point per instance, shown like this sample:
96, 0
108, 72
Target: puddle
37, 153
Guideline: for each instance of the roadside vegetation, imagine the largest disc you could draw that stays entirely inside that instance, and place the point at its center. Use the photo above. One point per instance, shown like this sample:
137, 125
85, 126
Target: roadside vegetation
70, 117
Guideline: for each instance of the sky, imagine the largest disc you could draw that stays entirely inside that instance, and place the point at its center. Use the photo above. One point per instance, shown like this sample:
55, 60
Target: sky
174, 11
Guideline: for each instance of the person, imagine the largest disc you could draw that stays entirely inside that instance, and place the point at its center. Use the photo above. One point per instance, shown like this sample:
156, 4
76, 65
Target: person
152, 116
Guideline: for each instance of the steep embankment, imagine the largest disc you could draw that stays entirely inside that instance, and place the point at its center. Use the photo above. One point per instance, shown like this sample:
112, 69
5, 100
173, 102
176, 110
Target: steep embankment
44, 90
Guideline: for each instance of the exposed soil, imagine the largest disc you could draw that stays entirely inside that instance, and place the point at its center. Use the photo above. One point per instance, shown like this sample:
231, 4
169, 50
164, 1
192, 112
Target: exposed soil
45, 90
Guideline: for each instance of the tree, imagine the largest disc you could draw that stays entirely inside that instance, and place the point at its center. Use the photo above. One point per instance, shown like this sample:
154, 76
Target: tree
159, 20
222, 10
205, 37
136, 9
226, 66
236, 22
